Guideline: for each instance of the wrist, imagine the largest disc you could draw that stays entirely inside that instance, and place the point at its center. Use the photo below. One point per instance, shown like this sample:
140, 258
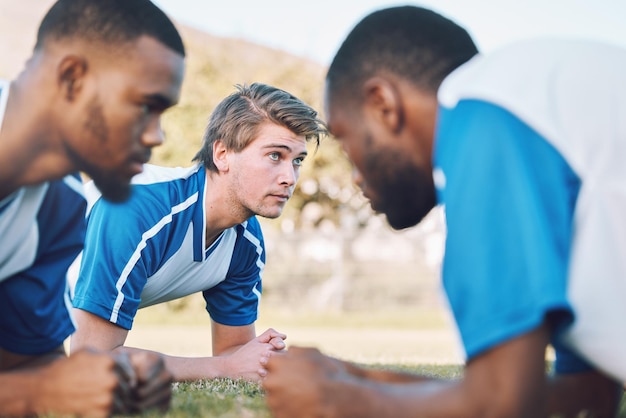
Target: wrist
223, 366
19, 393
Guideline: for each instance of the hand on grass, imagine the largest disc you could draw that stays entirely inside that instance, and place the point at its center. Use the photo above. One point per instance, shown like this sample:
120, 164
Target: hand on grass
145, 383
85, 384
301, 383
248, 362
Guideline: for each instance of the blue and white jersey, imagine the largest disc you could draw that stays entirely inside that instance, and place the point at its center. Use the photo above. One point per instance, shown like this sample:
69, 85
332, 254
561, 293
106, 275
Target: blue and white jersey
152, 249
529, 164
42, 229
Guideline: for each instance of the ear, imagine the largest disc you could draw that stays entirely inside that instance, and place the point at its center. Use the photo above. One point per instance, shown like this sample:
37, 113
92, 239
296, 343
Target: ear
220, 155
71, 73
383, 99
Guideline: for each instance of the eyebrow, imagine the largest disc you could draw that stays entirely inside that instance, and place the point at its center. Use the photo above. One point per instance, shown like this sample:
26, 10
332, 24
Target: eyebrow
285, 147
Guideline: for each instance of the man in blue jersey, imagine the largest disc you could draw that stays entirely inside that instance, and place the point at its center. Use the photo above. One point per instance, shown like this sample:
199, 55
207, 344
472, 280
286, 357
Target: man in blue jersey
190, 230
89, 99
525, 150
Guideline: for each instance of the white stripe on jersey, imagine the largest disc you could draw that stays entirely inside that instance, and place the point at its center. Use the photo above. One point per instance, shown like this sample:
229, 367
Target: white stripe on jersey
19, 230
137, 253
74, 184
255, 241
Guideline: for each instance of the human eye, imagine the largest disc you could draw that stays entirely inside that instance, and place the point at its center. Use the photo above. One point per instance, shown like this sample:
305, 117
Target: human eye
298, 161
154, 104
274, 156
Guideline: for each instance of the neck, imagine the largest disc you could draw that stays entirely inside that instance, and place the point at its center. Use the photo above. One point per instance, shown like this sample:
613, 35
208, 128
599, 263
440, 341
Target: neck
219, 208
29, 150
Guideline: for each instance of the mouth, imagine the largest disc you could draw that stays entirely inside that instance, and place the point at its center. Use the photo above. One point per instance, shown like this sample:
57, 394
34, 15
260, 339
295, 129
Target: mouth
281, 197
136, 166
137, 162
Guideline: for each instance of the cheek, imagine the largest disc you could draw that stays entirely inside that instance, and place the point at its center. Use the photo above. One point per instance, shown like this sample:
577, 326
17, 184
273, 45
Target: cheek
248, 179
128, 120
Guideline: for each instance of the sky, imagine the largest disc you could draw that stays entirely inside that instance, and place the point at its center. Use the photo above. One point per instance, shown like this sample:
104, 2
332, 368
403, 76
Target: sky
315, 29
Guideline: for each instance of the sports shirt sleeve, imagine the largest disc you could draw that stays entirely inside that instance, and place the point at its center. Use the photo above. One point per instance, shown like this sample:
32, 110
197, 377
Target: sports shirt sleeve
114, 265
235, 301
34, 303
509, 198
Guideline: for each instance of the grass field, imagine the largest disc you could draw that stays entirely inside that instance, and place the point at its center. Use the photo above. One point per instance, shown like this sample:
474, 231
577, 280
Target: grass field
225, 398
420, 341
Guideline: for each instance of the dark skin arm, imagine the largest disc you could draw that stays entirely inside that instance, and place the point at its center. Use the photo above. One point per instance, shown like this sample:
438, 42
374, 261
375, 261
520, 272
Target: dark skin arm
507, 381
89, 383
591, 391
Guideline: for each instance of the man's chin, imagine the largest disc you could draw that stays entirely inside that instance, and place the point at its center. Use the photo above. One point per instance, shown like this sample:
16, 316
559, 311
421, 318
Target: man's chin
113, 189
405, 218
271, 215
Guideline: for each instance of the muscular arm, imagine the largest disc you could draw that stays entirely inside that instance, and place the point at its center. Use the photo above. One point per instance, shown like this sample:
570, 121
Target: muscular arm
590, 391
507, 381
84, 385
237, 351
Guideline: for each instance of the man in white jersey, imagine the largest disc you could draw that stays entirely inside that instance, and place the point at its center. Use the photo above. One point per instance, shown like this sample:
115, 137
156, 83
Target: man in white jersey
190, 230
89, 99
525, 150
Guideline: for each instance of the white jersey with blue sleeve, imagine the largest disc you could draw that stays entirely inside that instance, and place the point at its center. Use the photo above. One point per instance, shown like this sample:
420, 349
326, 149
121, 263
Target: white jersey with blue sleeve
42, 229
152, 249
529, 165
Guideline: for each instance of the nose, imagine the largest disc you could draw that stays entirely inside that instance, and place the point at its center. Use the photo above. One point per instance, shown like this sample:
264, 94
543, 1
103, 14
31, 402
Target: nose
289, 175
153, 135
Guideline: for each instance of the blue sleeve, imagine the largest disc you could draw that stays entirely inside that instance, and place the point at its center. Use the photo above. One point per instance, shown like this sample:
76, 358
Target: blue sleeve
235, 301
113, 268
34, 304
567, 361
509, 199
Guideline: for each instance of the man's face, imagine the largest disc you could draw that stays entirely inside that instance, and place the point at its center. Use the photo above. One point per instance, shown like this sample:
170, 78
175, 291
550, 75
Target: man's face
120, 119
396, 181
264, 174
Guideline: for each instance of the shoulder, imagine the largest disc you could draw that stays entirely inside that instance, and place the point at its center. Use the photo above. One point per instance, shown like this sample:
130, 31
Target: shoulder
153, 174
540, 82
155, 190
66, 193
505, 75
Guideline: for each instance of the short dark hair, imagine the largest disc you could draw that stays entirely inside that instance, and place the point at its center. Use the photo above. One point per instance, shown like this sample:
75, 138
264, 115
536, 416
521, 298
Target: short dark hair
417, 44
108, 21
237, 118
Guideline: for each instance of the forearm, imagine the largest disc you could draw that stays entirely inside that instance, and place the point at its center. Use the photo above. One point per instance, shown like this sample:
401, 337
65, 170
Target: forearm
18, 381
431, 397
384, 376
593, 392
17, 390
190, 368
11, 361
194, 368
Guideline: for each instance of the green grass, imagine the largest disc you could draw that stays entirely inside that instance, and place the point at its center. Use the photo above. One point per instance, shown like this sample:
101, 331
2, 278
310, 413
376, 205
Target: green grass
226, 398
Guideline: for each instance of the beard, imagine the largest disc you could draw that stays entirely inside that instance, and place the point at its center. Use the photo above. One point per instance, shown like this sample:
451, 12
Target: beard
113, 187
404, 192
